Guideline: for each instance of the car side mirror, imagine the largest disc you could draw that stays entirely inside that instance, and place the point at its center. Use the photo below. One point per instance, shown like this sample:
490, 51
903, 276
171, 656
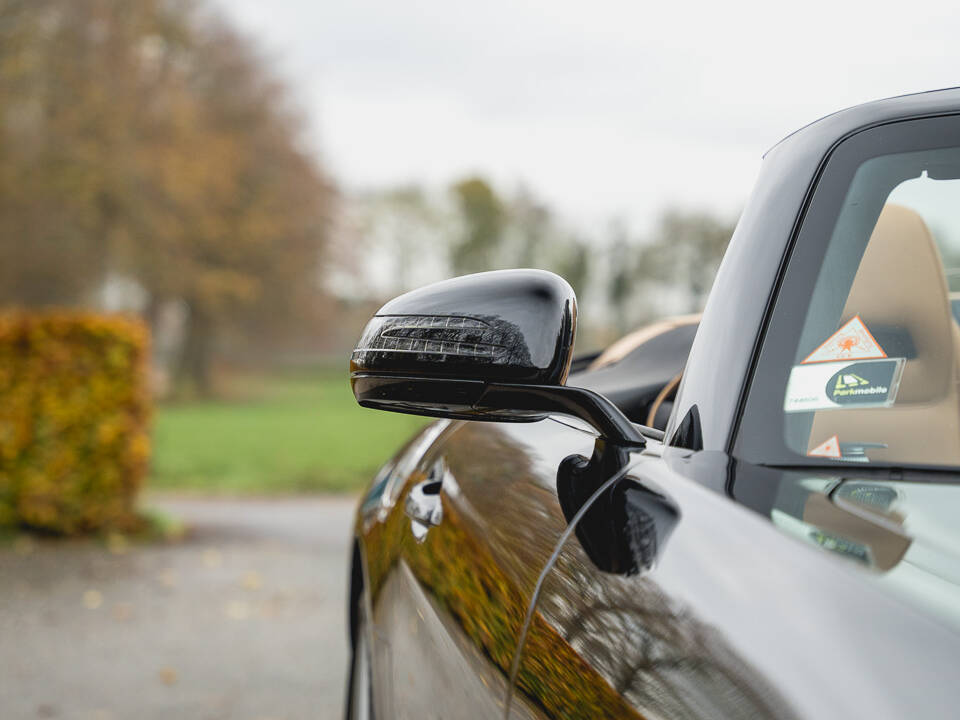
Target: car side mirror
493, 346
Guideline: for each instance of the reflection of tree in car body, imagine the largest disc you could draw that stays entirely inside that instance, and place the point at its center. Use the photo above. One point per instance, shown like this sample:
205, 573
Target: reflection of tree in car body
485, 586
639, 647
649, 649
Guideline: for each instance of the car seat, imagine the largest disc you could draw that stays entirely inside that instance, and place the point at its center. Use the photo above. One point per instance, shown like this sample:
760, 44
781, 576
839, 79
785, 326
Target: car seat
900, 284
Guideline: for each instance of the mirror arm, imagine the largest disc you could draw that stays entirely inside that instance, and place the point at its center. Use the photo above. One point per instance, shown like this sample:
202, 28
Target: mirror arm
587, 405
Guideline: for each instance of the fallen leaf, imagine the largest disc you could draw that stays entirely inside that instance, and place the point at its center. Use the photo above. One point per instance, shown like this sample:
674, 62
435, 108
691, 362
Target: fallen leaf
168, 676
251, 580
122, 611
168, 577
237, 610
92, 599
24, 545
212, 558
117, 544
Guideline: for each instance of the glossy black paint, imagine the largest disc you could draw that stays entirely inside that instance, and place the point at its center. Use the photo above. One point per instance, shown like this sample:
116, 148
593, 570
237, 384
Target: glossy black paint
633, 383
478, 400
506, 325
423, 354
587, 405
733, 619
700, 585
446, 612
622, 531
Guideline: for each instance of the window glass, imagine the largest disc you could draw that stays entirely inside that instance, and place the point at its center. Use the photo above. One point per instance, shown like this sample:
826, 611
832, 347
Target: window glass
862, 355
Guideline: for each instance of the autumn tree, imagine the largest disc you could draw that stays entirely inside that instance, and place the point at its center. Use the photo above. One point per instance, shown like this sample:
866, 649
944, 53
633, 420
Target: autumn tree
55, 178
239, 217
146, 139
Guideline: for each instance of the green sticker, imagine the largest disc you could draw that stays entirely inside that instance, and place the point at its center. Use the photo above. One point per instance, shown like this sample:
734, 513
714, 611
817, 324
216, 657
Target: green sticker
843, 385
863, 383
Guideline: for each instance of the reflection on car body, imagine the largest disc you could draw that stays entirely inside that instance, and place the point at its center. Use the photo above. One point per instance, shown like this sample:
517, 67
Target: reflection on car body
779, 540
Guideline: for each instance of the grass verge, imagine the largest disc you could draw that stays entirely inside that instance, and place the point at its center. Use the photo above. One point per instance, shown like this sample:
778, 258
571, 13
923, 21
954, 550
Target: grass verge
292, 433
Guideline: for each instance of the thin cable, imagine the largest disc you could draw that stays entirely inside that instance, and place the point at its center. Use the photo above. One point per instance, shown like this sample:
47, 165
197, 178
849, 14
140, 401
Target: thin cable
515, 665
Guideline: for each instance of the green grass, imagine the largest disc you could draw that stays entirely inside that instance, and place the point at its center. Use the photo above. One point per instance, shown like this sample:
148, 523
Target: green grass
294, 433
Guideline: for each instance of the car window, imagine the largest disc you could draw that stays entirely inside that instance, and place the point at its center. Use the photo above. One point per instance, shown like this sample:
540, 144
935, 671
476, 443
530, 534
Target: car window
862, 354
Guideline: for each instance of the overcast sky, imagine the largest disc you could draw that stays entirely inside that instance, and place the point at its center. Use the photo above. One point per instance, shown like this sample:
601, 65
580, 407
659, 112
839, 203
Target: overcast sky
603, 108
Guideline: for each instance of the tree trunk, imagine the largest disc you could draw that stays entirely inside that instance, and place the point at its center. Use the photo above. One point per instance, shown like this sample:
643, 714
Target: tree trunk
151, 314
195, 359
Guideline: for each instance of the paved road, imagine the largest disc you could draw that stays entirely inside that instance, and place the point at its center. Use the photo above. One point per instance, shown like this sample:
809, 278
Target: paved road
243, 619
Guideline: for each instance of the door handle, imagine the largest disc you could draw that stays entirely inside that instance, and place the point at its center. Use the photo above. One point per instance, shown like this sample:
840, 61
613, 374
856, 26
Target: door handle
424, 508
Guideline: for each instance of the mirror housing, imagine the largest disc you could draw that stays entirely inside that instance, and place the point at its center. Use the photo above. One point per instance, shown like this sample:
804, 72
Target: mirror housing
507, 325
493, 346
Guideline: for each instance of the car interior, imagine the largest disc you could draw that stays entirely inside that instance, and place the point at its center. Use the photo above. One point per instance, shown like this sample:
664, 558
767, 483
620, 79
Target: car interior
900, 283
640, 372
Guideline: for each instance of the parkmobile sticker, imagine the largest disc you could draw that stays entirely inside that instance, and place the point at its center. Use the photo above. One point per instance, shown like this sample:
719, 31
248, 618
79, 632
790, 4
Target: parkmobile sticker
843, 385
851, 342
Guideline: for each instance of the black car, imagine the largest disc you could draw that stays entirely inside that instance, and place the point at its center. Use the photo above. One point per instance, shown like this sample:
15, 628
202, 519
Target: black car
775, 535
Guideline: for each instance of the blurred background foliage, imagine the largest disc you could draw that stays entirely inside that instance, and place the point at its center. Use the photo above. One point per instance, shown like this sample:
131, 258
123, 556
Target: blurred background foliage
74, 421
143, 142
153, 162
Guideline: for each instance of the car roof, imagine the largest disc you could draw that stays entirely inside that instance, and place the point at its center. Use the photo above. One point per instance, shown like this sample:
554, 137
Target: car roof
878, 112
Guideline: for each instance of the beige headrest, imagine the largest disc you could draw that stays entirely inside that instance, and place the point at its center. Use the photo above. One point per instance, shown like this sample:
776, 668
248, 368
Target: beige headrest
900, 283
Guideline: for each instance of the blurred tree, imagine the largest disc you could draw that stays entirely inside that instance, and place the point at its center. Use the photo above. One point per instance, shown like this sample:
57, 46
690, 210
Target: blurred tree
622, 276
235, 208
537, 239
483, 217
574, 264
145, 138
55, 202
409, 209
685, 253
533, 222
406, 225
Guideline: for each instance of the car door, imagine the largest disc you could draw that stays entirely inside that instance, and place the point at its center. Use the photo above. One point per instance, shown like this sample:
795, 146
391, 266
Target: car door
723, 614
643, 642
448, 595
796, 560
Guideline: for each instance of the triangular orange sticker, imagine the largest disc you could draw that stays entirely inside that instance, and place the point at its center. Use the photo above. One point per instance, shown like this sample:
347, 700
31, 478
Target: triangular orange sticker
828, 449
851, 342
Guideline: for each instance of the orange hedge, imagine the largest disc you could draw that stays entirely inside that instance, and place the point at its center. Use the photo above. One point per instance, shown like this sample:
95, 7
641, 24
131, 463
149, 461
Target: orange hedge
74, 420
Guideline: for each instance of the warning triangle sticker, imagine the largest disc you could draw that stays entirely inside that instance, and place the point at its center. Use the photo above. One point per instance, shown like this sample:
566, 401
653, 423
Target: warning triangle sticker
851, 342
828, 449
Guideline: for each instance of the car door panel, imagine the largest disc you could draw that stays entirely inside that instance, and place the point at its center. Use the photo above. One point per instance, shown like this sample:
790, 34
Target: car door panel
734, 619
421, 632
446, 612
